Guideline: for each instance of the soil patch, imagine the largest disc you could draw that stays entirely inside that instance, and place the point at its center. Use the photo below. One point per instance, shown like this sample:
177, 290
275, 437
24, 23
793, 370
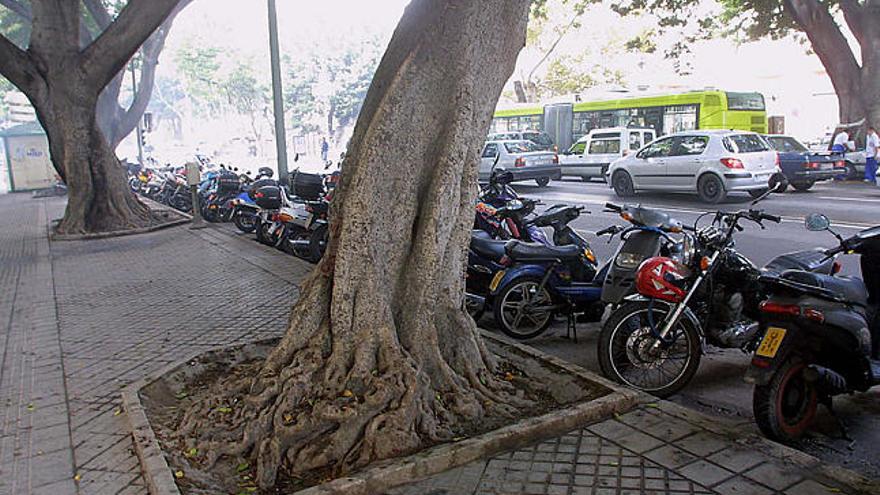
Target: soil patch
551, 385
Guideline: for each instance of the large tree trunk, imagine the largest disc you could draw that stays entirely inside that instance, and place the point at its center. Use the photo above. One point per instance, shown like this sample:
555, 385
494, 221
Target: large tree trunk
99, 199
62, 79
380, 358
857, 85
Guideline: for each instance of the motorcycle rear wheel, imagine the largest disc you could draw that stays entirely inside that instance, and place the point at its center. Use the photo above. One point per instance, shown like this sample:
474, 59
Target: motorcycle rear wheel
515, 302
245, 222
627, 355
785, 407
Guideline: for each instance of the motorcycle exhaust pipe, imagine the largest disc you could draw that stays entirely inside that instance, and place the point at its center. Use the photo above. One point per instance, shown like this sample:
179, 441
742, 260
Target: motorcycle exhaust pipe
827, 380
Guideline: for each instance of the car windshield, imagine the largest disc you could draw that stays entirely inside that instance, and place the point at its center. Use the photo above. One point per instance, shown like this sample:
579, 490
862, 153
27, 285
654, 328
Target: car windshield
519, 147
538, 137
786, 144
745, 143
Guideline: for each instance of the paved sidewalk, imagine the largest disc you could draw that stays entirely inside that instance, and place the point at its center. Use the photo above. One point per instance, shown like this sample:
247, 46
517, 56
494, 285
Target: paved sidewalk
83, 319
118, 309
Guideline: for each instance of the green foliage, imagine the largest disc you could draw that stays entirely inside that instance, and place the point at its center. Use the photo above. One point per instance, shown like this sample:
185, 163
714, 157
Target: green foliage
198, 67
351, 73
244, 92
299, 92
14, 28
573, 74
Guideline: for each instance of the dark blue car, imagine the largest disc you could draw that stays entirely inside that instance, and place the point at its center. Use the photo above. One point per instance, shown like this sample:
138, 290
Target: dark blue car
802, 167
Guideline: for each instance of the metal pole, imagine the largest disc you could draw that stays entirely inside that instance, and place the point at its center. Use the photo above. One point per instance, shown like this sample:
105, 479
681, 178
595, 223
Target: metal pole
277, 93
197, 221
140, 130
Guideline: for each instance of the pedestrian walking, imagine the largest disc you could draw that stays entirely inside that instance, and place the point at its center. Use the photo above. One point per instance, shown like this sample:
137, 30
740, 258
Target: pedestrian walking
872, 142
325, 148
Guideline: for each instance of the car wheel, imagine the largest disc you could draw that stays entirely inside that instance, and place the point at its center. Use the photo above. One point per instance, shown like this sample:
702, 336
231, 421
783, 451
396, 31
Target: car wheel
851, 172
710, 189
543, 181
802, 186
623, 184
757, 193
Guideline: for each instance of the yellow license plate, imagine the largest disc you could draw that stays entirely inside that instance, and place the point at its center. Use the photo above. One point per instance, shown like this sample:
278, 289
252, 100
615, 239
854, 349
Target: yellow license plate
771, 342
496, 280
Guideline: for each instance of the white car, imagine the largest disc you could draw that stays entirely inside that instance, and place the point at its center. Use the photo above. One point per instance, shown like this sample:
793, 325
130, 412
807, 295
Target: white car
591, 155
709, 163
520, 159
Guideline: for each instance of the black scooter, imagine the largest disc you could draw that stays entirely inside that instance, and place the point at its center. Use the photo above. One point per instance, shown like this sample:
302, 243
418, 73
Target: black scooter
821, 338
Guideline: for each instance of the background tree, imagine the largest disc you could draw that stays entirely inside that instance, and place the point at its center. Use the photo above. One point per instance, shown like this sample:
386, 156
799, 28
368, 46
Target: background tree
824, 24
379, 358
64, 75
116, 120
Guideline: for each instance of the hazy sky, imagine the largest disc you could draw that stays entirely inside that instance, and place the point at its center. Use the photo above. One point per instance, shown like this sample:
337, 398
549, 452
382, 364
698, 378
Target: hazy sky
793, 82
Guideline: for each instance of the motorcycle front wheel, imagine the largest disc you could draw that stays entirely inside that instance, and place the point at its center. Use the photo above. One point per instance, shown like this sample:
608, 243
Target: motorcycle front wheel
785, 407
523, 309
628, 354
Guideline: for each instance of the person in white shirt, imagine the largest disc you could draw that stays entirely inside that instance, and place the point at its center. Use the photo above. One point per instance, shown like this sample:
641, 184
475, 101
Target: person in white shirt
872, 142
841, 142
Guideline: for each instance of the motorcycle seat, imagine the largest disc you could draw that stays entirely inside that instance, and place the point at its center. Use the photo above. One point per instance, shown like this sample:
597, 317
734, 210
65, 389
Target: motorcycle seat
484, 245
529, 251
813, 260
850, 289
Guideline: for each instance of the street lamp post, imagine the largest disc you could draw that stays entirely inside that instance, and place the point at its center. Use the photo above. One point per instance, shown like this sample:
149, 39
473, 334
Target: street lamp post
277, 93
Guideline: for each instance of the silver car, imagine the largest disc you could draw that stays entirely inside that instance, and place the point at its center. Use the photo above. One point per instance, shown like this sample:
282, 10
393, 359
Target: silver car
520, 159
709, 163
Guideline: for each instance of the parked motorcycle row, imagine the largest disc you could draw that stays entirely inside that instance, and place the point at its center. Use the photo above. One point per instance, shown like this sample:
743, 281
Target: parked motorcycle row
295, 222
674, 290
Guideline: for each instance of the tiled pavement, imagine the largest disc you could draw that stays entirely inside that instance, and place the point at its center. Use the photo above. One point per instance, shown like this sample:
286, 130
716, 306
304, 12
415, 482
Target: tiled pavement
82, 319
118, 310
650, 450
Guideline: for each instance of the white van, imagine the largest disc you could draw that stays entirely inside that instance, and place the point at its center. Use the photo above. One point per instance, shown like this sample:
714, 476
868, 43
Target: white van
590, 156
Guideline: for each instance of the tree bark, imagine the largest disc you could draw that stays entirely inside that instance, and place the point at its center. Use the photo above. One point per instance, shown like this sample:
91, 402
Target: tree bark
379, 357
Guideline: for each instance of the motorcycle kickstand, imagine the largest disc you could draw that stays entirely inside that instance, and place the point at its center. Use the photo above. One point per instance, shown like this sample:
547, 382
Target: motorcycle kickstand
841, 424
571, 328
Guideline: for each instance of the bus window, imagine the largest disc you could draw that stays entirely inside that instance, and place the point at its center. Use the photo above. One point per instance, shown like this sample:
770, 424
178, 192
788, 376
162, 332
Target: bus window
745, 101
679, 118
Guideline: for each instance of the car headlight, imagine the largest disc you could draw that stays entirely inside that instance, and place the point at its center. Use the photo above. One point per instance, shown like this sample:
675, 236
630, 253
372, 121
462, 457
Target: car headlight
629, 261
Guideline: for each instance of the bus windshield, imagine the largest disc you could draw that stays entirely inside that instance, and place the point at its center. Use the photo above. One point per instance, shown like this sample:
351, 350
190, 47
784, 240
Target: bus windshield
745, 101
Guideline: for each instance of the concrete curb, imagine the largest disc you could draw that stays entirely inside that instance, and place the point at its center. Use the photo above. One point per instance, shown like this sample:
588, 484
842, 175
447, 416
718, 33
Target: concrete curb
395, 472
154, 207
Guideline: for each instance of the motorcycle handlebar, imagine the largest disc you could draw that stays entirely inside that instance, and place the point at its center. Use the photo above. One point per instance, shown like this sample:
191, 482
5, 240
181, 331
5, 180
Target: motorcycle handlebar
613, 207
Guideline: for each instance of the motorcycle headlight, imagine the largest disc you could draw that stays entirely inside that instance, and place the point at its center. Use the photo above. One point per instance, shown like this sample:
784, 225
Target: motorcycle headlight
686, 249
629, 261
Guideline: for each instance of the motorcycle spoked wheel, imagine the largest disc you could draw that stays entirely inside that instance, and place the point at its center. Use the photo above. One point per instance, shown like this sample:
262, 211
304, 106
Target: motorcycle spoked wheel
263, 235
627, 354
210, 214
785, 407
523, 309
245, 222
475, 310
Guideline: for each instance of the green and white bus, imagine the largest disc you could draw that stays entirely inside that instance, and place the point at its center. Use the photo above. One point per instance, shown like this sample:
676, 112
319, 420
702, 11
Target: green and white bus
667, 113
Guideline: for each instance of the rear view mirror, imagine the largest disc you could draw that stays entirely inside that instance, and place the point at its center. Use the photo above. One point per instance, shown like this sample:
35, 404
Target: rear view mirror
816, 222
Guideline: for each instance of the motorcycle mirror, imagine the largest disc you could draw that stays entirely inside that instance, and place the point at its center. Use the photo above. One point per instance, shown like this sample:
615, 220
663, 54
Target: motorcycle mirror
777, 182
817, 222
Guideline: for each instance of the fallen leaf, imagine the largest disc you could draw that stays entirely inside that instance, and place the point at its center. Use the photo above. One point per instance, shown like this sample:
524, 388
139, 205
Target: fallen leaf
191, 452
117, 412
288, 418
77, 477
181, 395
508, 376
178, 474
833, 490
347, 393
458, 439
30, 407
652, 404
224, 409
242, 467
